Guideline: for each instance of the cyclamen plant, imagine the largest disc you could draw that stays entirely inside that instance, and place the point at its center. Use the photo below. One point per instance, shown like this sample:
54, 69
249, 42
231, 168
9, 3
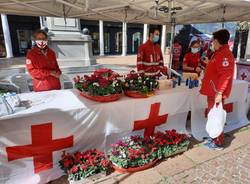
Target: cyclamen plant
136, 151
170, 143
81, 165
140, 82
132, 152
102, 82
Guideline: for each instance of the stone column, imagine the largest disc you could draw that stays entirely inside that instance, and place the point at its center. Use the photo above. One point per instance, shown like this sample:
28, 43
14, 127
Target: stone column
172, 44
6, 34
101, 38
68, 42
124, 39
145, 33
247, 53
163, 39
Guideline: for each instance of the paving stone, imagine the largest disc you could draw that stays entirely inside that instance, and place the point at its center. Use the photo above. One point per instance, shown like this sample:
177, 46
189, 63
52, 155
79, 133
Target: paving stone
150, 176
200, 154
174, 165
229, 168
243, 137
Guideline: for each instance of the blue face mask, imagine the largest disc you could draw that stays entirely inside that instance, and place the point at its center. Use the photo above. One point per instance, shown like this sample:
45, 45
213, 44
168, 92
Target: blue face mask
156, 38
195, 50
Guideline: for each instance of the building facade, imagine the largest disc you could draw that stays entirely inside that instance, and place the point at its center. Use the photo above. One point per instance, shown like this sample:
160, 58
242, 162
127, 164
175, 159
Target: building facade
21, 28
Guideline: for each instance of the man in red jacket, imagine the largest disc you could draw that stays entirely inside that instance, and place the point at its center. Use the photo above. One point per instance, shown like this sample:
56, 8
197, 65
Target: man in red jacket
149, 57
218, 78
42, 64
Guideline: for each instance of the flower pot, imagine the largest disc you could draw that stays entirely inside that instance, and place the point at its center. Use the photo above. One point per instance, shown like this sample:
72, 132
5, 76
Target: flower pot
181, 150
89, 179
135, 169
108, 98
137, 94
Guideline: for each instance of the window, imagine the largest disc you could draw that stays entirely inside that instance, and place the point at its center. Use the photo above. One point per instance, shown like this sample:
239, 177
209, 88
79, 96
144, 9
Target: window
106, 43
136, 42
118, 42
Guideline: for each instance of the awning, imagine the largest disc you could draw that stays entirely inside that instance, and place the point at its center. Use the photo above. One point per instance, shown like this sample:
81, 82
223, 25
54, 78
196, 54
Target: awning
134, 11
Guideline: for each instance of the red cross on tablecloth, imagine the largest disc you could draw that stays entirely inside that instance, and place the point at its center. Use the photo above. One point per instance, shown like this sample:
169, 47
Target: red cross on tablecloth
41, 148
227, 107
152, 121
243, 76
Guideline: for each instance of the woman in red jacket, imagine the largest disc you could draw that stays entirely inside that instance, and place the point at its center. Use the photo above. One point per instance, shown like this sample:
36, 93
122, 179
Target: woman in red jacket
192, 58
42, 64
218, 78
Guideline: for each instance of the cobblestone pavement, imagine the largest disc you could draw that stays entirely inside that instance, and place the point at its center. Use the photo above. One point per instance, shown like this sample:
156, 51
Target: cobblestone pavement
233, 167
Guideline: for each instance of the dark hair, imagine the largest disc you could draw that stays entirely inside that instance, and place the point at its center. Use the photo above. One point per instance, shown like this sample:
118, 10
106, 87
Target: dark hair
152, 30
222, 36
40, 31
192, 44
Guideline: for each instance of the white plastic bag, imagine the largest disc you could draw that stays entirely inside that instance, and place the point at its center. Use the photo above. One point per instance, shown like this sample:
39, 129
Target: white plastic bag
215, 121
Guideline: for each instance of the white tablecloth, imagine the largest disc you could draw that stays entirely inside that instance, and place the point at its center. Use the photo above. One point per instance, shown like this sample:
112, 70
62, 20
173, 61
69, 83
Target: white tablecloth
235, 119
63, 120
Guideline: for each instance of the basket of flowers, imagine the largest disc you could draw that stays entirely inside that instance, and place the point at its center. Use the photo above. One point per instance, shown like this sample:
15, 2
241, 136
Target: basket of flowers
139, 86
132, 154
81, 165
170, 143
103, 85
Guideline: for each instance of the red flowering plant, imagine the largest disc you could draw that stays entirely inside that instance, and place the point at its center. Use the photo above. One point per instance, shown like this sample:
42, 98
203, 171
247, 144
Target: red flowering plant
136, 151
141, 83
132, 152
102, 82
81, 165
170, 143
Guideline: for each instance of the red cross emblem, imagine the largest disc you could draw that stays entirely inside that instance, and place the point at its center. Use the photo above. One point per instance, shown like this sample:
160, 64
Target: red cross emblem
227, 107
152, 121
41, 148
243, 76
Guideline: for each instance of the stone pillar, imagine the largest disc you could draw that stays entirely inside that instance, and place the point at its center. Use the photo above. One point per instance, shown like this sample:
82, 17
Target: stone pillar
145, 32
163, 39
247, 53
67, 40
124, 39
172, 45
101, 38
6, 34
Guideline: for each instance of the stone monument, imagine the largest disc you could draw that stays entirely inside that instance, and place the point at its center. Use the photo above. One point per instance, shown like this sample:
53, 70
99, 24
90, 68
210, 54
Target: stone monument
67, 40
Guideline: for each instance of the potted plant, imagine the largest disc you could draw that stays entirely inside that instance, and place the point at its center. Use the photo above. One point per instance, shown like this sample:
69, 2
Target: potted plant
103, 85
170, 143
139, 86
132, 154
81, 165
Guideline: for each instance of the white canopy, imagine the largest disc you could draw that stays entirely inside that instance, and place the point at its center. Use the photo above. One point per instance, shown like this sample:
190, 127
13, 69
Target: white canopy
133, 11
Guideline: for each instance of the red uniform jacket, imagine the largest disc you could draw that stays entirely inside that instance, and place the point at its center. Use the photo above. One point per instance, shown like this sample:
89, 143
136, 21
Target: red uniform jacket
150, 59
39, 66
219, 73
192, 60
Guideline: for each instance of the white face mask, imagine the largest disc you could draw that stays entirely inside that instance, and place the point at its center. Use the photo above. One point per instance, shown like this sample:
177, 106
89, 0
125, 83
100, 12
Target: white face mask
212, 47
195, 50
41, 43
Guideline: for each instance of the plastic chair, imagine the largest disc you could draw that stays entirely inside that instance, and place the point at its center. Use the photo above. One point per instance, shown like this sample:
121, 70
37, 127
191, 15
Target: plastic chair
8, 87
23, 81
67, 83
